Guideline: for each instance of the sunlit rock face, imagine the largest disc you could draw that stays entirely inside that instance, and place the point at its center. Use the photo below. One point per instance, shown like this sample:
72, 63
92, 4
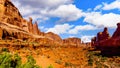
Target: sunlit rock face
9, 13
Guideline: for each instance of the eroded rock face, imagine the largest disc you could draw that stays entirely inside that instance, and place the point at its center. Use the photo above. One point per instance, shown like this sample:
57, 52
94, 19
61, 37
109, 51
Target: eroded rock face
30, 25
72, 41
103, 35
105, 43
14, 35
36, 29
9, 13
117, 32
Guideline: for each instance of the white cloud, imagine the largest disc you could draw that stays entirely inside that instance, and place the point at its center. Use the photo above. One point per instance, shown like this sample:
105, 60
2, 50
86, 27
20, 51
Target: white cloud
60, 29
44, 3
114, 5
82, 28
106, 20
67, 12
86, 38
64, 9
98, 7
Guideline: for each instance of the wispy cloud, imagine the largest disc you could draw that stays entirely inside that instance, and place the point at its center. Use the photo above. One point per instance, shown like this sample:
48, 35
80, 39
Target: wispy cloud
60, 29
114, 5
79, 28
44, 10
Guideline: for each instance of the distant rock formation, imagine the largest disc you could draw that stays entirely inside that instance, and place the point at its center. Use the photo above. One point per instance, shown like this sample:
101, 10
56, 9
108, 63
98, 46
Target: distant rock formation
108, 45
117, 32
54, 37
103, 35
72, 42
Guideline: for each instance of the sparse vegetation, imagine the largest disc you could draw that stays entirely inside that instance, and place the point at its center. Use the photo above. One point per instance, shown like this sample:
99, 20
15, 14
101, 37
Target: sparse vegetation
58, 61
50, 66
95, 59
7, 60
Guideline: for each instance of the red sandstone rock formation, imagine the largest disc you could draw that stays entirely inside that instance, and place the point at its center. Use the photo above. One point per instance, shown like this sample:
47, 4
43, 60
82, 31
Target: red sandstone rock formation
30, 25
9, 13
54, 37
103, 35
117, 32
105, 43
72, 41
36, 29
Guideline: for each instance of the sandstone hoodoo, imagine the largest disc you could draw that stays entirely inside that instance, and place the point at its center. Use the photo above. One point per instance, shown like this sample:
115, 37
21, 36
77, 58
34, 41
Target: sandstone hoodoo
36, 29
105, 43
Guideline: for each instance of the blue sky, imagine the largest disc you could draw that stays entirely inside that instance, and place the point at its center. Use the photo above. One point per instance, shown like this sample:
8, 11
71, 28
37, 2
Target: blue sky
72, 18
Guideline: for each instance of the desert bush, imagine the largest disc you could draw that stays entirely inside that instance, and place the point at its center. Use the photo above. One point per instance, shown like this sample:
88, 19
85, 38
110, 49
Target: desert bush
5, 60
50, 66
58, 61
90, 61
67, 64
31, 63
5, 50
8, 60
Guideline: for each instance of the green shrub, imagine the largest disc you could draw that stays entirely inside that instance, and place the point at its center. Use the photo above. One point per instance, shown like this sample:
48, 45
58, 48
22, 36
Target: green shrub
50, 66
8, 60
5, 60
31, 63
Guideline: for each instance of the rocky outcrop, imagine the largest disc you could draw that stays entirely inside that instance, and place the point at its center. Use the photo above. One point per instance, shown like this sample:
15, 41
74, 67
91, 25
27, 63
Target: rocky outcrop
103, 35
30, 25
72, 42
9, 13
36, 29
54, 37
108, 45
117, 32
